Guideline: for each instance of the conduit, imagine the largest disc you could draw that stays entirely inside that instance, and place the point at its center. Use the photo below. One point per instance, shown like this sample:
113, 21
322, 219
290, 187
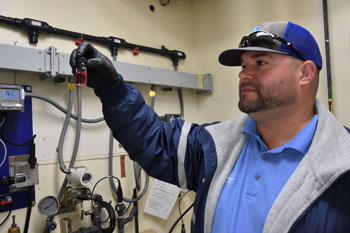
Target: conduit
328, 59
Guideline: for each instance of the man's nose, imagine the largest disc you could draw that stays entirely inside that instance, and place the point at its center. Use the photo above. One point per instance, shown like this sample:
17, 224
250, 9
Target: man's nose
246, 74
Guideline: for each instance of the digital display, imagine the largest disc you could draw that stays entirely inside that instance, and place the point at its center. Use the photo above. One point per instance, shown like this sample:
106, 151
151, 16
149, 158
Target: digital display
9, 96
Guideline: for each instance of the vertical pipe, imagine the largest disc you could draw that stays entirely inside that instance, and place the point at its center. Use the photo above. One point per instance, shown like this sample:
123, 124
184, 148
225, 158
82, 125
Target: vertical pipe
136, 211
328, 62
29, 208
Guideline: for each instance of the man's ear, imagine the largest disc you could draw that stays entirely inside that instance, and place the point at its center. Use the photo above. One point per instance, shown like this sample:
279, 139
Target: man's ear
307, 72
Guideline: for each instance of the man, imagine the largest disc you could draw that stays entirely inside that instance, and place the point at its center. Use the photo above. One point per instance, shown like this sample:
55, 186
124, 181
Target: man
282, 168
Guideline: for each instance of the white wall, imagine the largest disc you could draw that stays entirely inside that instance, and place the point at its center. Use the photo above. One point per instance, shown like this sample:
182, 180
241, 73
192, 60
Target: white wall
200, 28
131, 20
340, 57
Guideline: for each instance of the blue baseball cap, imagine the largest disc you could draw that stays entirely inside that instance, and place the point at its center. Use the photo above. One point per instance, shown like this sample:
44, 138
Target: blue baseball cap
276, 37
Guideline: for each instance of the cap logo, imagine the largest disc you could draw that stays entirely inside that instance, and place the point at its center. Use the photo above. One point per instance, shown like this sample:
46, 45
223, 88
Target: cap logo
257, 28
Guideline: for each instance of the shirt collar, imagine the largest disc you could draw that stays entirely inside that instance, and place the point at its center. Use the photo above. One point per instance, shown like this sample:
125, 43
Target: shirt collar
301, 142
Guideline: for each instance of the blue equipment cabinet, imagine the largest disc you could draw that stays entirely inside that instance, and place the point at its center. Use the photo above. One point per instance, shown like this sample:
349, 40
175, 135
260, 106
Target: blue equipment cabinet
17, 129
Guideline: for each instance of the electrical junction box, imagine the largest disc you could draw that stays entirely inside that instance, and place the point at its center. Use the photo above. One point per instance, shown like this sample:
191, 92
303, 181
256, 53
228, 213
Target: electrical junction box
17, 129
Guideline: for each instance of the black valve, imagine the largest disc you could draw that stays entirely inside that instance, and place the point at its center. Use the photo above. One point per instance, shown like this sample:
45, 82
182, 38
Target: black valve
9, 180
34, 27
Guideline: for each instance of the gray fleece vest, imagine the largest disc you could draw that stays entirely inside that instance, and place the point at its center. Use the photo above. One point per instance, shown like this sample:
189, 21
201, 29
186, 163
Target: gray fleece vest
328, 157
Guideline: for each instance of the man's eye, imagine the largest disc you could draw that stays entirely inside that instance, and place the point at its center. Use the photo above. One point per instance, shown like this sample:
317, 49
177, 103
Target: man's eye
261, 62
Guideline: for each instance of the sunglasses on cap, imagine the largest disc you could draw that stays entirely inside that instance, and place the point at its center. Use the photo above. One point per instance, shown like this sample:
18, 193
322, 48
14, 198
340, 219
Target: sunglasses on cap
267, 40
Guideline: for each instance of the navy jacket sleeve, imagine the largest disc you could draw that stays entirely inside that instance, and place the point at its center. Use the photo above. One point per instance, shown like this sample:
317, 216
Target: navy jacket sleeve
148, 140
331, 213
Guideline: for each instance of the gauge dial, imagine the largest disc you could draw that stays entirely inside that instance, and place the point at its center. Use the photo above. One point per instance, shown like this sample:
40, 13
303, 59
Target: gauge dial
48, 206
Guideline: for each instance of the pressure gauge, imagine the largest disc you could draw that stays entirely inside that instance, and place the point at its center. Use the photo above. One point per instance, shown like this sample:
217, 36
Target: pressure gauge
48, 206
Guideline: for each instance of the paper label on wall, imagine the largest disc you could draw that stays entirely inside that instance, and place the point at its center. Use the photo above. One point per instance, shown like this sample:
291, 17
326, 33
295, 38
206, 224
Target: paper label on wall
161, 199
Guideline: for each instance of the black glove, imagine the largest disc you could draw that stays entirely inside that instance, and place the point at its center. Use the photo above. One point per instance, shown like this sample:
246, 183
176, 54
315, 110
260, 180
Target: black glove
100, 70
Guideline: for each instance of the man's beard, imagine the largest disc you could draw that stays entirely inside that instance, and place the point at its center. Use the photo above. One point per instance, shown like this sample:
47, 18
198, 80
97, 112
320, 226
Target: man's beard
280, 94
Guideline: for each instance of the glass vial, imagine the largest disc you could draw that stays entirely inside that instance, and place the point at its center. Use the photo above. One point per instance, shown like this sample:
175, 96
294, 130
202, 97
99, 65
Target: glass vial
81, 72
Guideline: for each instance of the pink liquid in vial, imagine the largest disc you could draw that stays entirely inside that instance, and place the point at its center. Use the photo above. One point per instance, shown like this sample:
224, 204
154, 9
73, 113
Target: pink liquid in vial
81, 78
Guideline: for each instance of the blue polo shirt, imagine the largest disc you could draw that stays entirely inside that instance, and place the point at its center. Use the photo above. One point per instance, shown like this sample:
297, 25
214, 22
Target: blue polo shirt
256, 180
